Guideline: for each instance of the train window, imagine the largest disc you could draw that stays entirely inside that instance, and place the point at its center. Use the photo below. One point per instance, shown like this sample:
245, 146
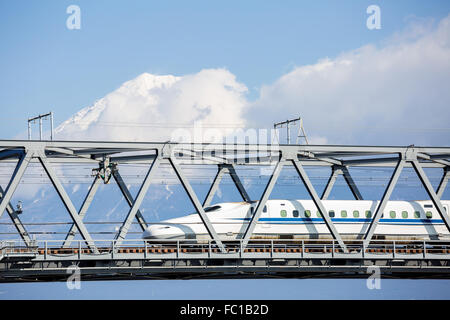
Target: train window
356, 214
344, 214
417, 214
331, 213
213, 208
265, 209
308, 213
368, 214
319, 215
428, 206
429, 215
392, 214
295, 213
283, 213
404, 214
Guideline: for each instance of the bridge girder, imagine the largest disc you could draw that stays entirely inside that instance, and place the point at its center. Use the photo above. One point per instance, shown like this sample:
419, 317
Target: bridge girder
226, 158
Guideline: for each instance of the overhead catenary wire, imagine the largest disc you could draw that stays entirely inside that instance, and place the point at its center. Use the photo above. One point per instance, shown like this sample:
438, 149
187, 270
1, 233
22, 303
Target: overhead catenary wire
162, 125
108, 223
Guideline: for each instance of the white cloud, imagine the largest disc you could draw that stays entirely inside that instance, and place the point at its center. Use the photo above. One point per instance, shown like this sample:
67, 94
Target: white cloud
317, 140
396, 94
151, 107
393, 94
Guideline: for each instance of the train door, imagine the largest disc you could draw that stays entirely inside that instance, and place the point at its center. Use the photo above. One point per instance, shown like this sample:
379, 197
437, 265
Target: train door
265, 217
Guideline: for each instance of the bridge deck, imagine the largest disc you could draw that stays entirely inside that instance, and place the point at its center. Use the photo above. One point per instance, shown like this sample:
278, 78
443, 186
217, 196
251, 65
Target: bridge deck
180, 259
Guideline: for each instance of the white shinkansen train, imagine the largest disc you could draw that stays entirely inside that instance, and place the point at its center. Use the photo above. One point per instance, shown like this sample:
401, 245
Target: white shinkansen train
300, 219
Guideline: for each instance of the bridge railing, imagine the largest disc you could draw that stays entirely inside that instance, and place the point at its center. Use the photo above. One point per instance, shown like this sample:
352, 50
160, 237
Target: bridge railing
235, 249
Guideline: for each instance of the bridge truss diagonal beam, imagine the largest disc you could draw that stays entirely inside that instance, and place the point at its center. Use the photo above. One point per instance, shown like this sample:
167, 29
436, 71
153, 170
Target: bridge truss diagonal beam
16, 221
17, 175
137, 202
238, 183
66, 201
436, 158
330, 183
262, 202
129, 198
384, 200
335, 172
214, 186
222, 169
351, 184
312, 192
431, 193
84, 208
197, 205
443, 182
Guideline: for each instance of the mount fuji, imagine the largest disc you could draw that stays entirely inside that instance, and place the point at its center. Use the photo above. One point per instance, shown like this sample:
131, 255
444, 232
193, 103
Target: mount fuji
150, 107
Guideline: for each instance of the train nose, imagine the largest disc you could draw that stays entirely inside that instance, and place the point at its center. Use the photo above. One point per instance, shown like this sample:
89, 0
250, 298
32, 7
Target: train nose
162, 232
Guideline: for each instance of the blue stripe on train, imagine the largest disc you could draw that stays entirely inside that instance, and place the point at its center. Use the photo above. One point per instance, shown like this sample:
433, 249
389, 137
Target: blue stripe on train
363, 220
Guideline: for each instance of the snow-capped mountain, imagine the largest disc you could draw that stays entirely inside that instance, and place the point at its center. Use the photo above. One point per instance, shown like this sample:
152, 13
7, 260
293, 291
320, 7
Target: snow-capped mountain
151, 107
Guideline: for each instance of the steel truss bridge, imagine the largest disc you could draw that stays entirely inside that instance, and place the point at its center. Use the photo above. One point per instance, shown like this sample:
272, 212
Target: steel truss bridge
120, 258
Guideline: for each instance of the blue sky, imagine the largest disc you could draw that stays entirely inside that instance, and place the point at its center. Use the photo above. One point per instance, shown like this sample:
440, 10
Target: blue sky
45, 66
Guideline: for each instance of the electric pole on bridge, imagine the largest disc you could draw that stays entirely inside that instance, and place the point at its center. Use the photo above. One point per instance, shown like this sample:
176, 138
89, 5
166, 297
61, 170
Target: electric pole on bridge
288, 123
40, 117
